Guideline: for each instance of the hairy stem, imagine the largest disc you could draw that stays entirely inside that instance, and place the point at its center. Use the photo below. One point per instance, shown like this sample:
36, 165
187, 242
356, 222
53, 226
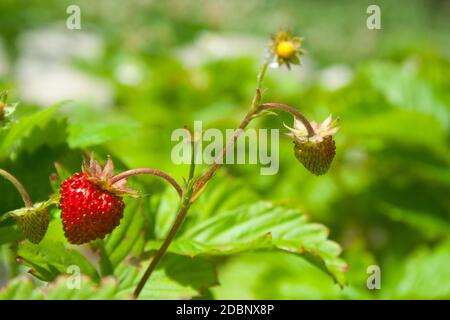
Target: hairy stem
230, 144
162, 250
297, 114
23, 192
154, 172
193, 190
219, 159
193, 151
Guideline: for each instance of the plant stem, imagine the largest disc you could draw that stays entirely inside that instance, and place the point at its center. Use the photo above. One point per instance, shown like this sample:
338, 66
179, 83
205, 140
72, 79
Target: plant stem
162, 250
193, 190
182, 212
259, 81
297, 114
23, 192
219, 159
254, 109
154, 172
193, 151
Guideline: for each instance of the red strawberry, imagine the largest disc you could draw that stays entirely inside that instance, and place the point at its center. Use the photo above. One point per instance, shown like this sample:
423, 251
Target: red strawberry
91, 206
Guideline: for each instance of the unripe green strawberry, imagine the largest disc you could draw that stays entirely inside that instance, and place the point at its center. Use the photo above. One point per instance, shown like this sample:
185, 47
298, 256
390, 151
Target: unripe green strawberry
315, 152
316, 156
33, 222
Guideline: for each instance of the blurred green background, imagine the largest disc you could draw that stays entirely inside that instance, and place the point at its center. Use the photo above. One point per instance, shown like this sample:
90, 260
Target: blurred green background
138, 70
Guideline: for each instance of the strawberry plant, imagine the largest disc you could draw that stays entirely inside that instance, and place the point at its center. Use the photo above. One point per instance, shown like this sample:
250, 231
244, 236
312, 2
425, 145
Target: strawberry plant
139, 86
123, 243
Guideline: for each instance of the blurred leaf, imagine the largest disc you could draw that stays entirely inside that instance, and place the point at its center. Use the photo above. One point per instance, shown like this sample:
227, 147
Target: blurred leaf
88, 290
9, 234
427, 223
91, 133
407, 127
405, 90
177, 278
20, 288
52, 256
425, 275
18, 132
246, 276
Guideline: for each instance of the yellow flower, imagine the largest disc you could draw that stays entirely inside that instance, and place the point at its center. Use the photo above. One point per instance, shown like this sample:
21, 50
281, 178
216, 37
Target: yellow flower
286, 48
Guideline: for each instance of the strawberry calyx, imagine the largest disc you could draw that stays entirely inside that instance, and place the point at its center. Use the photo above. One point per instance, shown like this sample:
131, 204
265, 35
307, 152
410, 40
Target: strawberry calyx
102, 177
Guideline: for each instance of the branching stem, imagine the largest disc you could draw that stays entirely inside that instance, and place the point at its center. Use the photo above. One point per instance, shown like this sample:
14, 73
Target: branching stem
193, 190
185, 204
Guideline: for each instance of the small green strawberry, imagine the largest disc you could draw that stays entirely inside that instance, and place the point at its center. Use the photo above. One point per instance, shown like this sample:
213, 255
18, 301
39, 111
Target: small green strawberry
315, 152
33, 222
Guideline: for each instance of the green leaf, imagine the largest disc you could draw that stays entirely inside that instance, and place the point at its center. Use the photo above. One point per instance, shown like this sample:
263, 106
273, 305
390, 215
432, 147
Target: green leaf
13, 139
9, 234
90, 133
431, 225
407, 127
129, 237
405, 90
177, 277
262, 226
88, 290
221, 195
20, 288
218, 197
424, 275
52, 256
165, 208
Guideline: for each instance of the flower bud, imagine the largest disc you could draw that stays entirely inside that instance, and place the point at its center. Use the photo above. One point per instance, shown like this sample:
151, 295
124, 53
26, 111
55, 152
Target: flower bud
286, 49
